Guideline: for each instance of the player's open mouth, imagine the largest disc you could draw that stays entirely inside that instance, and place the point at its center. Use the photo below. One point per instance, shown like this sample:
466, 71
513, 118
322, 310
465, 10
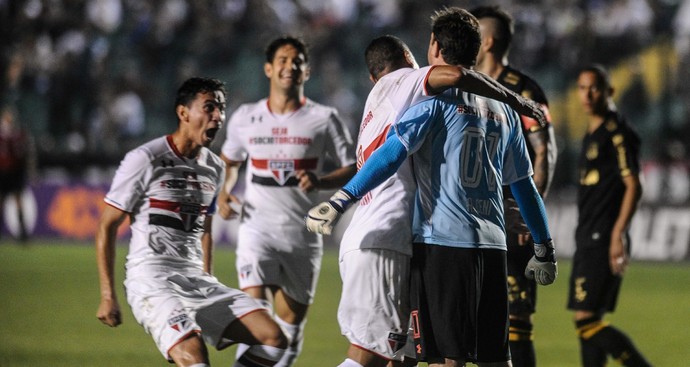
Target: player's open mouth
211, 133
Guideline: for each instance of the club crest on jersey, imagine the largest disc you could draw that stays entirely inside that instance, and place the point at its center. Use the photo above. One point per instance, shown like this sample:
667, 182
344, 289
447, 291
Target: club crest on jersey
189, 213
281, 170
396, 341
179, 322
245, 271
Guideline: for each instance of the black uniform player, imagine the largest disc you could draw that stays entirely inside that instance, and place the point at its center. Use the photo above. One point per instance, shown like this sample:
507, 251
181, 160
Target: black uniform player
608, 194
496, 27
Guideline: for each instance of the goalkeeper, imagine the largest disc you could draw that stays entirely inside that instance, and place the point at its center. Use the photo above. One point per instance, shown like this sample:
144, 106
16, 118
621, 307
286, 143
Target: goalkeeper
463, 148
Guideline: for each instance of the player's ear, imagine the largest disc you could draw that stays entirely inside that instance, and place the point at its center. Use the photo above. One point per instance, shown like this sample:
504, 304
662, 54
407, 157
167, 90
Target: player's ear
372, 78
268, 69
307, 73
182, 112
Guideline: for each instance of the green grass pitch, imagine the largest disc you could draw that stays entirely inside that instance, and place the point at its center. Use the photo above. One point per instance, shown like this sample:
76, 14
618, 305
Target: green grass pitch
49, 296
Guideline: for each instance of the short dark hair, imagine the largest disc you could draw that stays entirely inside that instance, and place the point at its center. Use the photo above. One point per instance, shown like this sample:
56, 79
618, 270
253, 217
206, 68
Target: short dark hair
277, 43
505, 27
192, 86
603, 78
385, 52
457, 34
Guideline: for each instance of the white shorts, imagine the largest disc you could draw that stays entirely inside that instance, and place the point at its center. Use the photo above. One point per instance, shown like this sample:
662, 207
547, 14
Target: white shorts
262, 260
374, 305
173, 306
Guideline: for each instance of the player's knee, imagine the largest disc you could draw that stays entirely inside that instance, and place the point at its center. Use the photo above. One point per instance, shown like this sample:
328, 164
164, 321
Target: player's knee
189, 351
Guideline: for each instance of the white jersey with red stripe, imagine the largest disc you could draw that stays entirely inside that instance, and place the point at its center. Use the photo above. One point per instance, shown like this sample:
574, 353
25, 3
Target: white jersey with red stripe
275, 146
168, 198
383, 217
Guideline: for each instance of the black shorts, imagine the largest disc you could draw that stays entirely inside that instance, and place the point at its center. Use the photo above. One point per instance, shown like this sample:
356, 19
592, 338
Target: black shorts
459, 303
522, 292
592, 285
12, 181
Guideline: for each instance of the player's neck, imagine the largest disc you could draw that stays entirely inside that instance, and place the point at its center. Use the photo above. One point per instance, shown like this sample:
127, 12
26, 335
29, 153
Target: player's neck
285, 102
595, 121
491, 67
185, 147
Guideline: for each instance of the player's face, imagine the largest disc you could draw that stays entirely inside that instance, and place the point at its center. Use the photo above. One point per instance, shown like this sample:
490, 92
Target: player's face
288, 69
205, 117
593, 95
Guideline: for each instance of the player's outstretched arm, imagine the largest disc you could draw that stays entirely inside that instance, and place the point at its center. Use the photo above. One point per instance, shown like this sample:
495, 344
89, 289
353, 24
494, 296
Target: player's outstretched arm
542, 267
106, 236
443, 77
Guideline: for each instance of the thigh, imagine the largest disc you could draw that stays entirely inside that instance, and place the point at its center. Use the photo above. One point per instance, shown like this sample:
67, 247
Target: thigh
160, 312
443, 296
592, 286
261, 261
374, 304
492, 311
522, 292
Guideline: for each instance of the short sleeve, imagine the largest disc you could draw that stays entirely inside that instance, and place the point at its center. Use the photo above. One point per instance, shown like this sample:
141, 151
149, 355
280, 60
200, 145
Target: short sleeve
129, 183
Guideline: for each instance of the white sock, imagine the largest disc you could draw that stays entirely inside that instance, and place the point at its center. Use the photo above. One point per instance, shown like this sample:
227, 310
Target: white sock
349, 363
295, 334
200, 365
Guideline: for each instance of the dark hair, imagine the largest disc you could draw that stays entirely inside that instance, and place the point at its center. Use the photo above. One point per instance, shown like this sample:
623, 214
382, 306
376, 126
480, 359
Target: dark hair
295, 42
603, 78
505, 27
385, 52
457, 34
192, 86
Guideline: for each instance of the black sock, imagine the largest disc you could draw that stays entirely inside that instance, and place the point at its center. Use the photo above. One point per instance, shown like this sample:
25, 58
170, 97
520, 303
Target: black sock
521, 345
612, 341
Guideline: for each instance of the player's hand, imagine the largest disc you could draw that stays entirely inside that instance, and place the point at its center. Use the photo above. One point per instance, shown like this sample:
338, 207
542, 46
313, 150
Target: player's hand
323, 217
109, 312
229, 206
308, 181
542, 266
618, 256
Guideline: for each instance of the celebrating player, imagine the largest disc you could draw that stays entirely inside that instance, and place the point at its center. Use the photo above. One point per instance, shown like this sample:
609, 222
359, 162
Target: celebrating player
607, 199
285, 140
464, 147
167, 188
496, 28
376, 247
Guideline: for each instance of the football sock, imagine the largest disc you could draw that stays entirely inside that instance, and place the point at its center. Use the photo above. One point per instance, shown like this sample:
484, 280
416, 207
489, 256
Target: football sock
295, 334
591, 355
521, 345
611, 340
200, 365
349, 363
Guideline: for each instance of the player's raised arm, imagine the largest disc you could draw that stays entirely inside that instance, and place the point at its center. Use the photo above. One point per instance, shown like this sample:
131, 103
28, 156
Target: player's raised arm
106, 236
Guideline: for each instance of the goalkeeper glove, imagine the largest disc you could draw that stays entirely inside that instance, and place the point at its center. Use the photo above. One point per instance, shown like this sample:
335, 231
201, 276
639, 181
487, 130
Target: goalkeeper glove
542, 266
322, 218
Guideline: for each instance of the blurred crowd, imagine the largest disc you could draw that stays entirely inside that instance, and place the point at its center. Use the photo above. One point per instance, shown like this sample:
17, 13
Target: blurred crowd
91, 78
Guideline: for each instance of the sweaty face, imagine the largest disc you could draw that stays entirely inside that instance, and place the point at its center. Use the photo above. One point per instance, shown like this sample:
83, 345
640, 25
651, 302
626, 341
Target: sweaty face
592, 93
288, 69
206, 115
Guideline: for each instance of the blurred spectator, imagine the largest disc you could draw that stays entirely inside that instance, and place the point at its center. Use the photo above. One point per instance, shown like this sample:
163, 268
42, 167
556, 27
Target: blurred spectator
16, 157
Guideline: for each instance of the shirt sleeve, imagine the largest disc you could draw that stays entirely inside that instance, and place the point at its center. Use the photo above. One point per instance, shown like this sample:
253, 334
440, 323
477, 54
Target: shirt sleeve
129, 183
340, 146
233, 148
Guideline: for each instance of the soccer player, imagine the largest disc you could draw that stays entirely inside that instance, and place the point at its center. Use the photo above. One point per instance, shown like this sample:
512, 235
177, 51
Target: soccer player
167, 188
608, 194
496, 28
286, 140
376, 247
463, 147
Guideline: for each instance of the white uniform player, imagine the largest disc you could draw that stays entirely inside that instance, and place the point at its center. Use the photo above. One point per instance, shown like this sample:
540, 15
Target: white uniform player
168, 188
381, 222
274, 247
168, 197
